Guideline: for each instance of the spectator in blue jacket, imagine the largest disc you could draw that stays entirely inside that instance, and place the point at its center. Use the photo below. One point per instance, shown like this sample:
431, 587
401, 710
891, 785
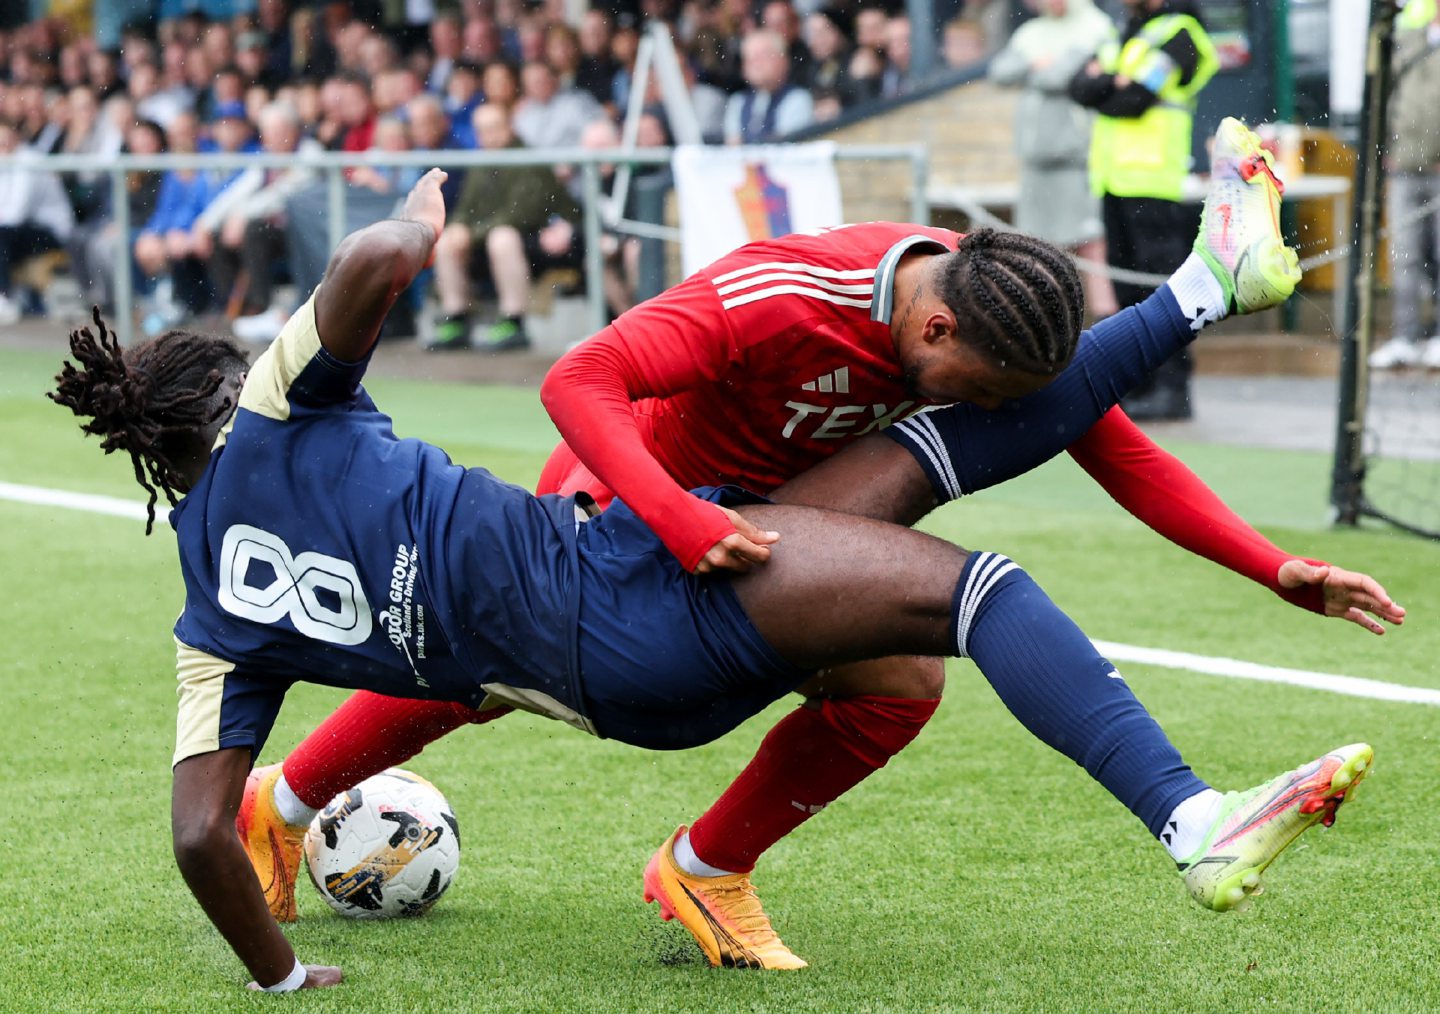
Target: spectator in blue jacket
462, 95
169, 248
164, 249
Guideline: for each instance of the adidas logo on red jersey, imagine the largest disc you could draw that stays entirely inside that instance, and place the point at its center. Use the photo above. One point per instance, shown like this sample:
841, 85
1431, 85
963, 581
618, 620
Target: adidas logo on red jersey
834, 382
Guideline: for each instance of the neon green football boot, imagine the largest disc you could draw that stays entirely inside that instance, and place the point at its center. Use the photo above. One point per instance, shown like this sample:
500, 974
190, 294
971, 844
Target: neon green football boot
1255, 826
1240, 235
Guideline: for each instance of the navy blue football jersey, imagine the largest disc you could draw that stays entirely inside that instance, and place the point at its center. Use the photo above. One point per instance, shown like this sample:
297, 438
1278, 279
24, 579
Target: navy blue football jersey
319, 546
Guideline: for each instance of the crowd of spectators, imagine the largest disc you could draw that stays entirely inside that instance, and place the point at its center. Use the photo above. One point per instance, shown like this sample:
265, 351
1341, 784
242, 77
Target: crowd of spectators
297, 76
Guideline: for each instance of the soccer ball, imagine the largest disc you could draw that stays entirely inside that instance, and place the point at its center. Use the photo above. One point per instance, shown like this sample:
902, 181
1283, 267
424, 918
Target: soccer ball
388, 847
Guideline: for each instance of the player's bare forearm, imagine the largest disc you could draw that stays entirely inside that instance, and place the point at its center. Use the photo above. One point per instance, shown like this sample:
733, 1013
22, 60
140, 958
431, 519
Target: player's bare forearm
204, 799
371, 267
874, 478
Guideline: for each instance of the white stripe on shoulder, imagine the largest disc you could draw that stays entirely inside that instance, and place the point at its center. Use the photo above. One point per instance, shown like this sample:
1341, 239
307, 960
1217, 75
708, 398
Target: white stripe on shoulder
863, 289
797, 290
813, 269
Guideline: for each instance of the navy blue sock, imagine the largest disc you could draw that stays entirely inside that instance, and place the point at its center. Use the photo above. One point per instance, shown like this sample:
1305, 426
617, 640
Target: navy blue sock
964, 449
1060, 688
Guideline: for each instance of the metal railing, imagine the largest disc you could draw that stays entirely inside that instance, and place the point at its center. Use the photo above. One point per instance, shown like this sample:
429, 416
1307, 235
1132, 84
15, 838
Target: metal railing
333, 165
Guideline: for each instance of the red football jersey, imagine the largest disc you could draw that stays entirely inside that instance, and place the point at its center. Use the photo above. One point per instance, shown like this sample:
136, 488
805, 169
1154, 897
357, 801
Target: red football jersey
777, 355
802, 325
748, 372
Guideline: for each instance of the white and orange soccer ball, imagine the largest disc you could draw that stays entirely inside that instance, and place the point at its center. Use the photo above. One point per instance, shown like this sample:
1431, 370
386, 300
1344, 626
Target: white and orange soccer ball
388, 847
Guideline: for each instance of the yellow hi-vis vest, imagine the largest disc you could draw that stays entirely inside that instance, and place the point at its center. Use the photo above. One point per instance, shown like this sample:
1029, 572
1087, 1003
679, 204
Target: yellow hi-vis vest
1149, 155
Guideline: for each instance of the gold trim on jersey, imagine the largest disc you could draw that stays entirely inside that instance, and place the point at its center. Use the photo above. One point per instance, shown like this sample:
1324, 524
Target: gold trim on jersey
537, 703
267, 384
267, 387
201, 691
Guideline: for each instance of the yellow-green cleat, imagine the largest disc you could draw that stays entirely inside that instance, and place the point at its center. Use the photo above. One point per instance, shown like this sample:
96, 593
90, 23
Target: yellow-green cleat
1255, 826
1240, 236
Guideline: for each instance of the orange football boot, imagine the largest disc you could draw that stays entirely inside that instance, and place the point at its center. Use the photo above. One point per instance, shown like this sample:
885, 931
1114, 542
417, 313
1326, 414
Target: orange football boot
723, 914
272, 845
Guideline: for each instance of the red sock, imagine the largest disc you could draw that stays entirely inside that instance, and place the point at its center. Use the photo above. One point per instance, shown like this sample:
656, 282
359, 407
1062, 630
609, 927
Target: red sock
366, 735
805, 763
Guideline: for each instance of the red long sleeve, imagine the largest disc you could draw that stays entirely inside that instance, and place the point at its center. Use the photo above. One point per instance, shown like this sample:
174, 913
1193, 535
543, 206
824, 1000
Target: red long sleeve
590, 393
1161, 491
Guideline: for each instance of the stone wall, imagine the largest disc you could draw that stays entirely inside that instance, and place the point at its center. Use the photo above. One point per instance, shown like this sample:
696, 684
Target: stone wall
968, 130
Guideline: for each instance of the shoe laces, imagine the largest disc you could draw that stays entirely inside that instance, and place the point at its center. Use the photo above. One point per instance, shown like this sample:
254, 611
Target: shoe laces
1258, 162
738, 900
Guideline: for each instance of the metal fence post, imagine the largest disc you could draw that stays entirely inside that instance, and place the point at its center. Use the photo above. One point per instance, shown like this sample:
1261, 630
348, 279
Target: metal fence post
649, 193
124, 281
335, 184
594, 258
1347, 482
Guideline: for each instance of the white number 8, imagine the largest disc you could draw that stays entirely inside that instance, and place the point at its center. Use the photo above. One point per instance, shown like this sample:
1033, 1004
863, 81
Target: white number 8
294, 590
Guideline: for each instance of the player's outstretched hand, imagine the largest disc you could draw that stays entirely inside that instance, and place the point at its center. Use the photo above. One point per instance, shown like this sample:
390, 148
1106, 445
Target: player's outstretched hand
316, 977
1349, 594
739, 552
425, 203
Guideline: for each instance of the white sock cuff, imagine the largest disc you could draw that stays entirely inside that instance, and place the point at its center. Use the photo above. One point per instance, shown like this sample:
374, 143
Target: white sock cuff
292, 809
1198, 292
982, 575
1189, 823
687, 860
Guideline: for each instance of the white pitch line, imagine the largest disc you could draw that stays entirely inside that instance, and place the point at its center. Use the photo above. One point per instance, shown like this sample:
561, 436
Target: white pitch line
92, 502
1353, 686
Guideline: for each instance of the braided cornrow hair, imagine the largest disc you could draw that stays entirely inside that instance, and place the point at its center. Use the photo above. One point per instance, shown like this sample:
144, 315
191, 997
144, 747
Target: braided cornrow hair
1015, 296
153, 400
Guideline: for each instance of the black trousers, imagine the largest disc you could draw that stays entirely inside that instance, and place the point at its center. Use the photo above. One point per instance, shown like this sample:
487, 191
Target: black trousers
1155, 236
262, 247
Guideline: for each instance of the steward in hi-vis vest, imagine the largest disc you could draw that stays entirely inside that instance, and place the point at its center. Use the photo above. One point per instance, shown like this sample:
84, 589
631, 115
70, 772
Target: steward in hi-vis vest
1147, 153
1143, 88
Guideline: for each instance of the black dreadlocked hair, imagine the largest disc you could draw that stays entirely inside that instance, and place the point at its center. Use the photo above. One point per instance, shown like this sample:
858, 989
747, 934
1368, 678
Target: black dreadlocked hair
1016, 297
152, 400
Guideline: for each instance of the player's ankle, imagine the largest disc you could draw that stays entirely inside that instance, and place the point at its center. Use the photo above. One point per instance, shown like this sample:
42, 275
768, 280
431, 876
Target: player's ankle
687, 860
292, 809
1199, 289
1188, 824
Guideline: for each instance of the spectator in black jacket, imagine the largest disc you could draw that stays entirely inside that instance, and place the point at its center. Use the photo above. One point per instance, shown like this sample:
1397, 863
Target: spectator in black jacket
827, 33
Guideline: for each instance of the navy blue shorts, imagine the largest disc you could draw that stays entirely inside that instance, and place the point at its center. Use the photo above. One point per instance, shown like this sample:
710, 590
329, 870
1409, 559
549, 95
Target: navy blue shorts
668, 660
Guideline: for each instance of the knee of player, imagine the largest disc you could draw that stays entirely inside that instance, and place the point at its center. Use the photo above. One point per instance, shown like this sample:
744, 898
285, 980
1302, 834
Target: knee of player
193, 837
926, 680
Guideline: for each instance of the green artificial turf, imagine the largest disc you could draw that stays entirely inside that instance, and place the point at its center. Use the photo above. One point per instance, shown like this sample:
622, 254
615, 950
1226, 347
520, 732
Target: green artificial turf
979, 870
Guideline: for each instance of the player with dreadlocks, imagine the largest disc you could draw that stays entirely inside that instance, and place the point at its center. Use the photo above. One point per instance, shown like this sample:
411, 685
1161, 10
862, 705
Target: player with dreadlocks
155, 401
762, 365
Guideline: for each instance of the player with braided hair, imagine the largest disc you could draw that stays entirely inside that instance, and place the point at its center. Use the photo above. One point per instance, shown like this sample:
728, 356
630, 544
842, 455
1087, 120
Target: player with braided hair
1001, 290
763, 365
151, 401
